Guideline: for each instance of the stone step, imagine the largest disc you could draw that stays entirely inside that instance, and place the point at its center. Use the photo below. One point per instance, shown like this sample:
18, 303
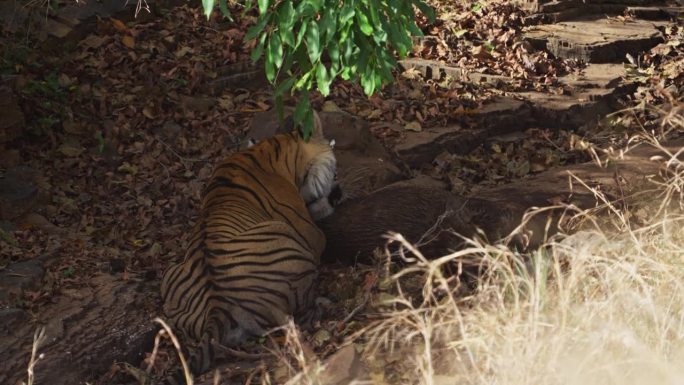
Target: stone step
656, 13
503, 115
590, 95
589, 6
596, 41
597, 11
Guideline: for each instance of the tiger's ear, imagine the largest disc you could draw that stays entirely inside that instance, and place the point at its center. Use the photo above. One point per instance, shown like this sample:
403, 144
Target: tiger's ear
317, 127
317, 132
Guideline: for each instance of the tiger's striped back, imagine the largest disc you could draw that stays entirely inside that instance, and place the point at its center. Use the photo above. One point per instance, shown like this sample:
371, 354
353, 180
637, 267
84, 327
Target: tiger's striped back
253, 255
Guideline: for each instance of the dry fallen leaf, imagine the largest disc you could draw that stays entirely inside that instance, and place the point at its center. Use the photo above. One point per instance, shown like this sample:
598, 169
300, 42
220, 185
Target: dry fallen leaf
119, 25
413, 126
70, 150
481, 53
147, 111
128, 41
128, 168
92, 41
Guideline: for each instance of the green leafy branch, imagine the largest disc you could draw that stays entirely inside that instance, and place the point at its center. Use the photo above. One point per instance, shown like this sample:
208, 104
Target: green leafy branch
307, 44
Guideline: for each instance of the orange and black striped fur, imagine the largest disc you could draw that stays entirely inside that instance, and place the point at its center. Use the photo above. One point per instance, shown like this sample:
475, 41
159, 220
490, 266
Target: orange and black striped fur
253, 255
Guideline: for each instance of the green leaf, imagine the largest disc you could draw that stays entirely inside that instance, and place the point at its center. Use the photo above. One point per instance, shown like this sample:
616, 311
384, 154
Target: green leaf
301, 57
308, 125
380, 37
208, 6
348, 51
259, 49
300, 35
345, 33
334, 53
477, 7
284, 86
300, 114
287, 36
300, 83
257, 28
269, 67
286, 16
346, 73
263, 6
322, 79
328, 25
275, 50
223, 6
364, 24
313, 42
425, 9
372, 4
368, 81
346, 13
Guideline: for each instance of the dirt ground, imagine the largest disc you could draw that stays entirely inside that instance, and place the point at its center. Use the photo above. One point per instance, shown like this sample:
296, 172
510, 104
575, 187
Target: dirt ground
118, 132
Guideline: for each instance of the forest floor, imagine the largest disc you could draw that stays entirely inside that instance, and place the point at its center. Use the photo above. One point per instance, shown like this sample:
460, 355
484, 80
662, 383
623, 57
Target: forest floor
110, 134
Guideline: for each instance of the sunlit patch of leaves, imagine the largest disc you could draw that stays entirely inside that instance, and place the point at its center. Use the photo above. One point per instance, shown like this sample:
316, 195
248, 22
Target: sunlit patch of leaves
487, 37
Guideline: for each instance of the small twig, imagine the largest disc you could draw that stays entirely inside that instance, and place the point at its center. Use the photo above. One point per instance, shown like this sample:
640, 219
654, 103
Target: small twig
155, 350
38, 339
250, 377
139, 6
354, 311
176, 344
181, 157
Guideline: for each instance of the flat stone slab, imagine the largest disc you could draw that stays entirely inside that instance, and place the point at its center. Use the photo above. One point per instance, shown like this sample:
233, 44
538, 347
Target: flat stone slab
590, 95
596, 41
503, 115
87, 330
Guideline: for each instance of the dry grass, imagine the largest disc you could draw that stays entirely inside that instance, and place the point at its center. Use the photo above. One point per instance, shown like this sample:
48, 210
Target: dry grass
595, 307
604, 305
38, 339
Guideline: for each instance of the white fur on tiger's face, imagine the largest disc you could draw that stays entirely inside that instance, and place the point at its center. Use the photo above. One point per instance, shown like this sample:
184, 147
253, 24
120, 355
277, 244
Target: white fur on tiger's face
252, 259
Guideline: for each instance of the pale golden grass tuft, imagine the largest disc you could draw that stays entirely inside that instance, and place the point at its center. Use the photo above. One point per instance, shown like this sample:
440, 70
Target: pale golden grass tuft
38, 339
596, 307
602, 306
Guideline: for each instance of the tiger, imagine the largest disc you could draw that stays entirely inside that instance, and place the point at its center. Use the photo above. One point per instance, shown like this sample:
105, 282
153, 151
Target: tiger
252, 257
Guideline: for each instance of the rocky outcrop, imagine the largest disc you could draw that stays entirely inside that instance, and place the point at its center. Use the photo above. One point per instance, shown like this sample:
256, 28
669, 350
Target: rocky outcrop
87, 329
428, 213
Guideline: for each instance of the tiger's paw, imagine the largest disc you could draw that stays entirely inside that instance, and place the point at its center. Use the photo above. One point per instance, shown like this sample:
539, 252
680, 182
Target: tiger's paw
320, 209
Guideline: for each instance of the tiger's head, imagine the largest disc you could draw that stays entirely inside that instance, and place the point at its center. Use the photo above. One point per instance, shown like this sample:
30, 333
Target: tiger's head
311, 163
